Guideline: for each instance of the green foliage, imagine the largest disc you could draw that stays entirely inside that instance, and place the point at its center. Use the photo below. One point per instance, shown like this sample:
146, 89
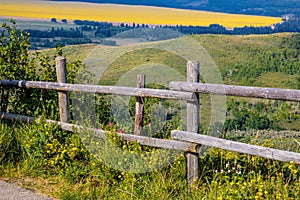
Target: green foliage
261, 115
17, 64
284, 60
11, 151
229, 175
298, 83
292, 42
14, 53
52, 154
243, 116
244, 59
14, 60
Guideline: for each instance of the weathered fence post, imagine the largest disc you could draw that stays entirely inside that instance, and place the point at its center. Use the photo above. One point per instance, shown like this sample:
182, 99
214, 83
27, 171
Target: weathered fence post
193, 120
63, 96
139, 107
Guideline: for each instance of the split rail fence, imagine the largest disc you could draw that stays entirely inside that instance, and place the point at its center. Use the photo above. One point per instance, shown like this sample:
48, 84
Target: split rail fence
189, 140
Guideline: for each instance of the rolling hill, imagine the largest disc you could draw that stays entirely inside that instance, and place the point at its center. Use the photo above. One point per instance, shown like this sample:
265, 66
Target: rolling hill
274, 55
255, 60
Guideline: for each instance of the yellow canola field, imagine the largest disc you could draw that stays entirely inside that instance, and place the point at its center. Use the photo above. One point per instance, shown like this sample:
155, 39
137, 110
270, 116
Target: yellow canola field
127, 14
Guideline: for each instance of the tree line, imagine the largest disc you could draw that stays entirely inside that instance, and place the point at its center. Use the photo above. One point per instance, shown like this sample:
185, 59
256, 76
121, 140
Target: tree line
291, 25
93, 31
71, 33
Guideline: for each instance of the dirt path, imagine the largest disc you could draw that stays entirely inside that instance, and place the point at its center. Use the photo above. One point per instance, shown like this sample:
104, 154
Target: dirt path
9, 191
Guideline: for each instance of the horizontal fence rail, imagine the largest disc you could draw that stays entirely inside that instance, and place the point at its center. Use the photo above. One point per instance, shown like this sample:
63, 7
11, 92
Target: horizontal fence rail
270, 153
98, 89
240, 91
143, 140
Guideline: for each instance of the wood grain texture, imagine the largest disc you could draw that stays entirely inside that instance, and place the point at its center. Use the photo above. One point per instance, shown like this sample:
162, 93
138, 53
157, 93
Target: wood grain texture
270, 153
139, 107
193, 120
98, 89
63, 96
240, 91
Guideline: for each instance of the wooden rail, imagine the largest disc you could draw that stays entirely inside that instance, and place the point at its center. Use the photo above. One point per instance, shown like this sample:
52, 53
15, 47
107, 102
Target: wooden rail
239, 91
98, 89
148, 141
269, 153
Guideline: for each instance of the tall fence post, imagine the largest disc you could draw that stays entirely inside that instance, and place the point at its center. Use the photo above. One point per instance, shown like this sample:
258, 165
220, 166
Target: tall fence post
63, 96
139, 107
193, 120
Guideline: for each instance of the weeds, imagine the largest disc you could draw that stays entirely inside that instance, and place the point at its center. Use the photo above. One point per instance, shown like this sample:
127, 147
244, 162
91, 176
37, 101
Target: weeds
42, 151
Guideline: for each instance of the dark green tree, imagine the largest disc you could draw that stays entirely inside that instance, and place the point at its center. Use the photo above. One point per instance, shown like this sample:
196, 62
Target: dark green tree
17, 64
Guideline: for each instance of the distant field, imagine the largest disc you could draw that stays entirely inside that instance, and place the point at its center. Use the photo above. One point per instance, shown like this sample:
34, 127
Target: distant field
127, 14
42, 25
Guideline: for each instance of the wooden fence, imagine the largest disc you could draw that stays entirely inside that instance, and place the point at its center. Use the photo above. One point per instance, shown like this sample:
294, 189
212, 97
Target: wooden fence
188, 140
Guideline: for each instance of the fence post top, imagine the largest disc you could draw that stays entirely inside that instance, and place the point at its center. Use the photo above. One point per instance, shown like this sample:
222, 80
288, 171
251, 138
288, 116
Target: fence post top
193, 62
59, 58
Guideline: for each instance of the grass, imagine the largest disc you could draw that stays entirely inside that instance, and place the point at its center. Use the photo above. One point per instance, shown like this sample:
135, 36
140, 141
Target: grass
268, 80
128, 14
76, 174
226, 52
73, 52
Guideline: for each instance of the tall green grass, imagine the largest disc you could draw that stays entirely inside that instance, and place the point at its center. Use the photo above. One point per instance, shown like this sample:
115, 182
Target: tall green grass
56, 163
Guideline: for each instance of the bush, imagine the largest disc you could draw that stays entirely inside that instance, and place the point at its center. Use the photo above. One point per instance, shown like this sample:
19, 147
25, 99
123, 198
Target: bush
17, 64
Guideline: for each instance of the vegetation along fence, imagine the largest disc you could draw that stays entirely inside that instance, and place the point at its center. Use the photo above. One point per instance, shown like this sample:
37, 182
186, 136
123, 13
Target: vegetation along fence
188, 140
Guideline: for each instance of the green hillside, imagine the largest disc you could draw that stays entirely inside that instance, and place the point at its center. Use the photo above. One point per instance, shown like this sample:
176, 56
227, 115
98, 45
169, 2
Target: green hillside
258, 60
247, 60
255, 60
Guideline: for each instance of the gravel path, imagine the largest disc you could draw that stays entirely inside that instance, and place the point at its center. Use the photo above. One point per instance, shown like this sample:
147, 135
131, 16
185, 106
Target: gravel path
10, 191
